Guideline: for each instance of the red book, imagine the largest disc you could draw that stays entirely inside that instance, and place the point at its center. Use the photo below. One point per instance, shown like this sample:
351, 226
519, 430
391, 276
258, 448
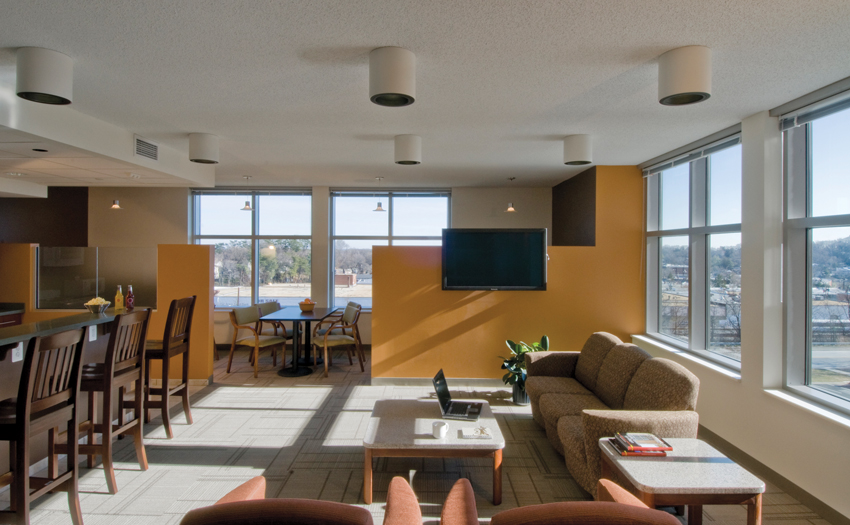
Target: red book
642, 442
645, 453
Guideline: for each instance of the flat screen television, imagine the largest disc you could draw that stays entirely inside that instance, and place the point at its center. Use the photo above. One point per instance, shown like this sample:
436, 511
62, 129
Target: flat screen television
494, 259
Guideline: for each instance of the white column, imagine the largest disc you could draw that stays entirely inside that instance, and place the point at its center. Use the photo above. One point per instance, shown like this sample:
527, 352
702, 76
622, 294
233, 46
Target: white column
320, 247
761, 253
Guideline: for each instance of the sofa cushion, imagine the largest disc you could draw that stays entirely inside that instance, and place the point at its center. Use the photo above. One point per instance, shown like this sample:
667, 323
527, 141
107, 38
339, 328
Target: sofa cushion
555, 406
536, 386
592, 354
661, 384
616, 373
570, 432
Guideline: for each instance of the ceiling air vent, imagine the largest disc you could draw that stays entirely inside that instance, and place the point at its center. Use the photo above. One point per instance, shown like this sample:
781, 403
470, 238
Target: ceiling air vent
146, 148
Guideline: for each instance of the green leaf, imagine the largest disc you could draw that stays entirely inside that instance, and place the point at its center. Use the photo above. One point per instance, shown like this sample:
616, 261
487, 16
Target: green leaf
511, 345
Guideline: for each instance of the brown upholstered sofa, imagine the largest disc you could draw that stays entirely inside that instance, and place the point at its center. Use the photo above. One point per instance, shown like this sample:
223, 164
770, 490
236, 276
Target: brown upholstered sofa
608, 387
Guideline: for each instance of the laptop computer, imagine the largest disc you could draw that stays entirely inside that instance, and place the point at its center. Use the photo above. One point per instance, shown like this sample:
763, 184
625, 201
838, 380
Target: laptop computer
454, 409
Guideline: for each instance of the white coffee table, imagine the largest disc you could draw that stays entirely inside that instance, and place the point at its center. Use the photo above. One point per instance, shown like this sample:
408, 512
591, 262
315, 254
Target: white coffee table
693, 474
402, 428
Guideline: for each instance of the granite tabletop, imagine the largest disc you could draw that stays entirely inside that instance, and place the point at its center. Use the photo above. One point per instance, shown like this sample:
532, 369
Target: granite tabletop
406, 424
692, 467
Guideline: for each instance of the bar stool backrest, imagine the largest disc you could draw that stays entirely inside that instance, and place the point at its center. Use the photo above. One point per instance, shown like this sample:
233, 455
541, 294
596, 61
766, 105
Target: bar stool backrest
179, 324
127, 341
51, 374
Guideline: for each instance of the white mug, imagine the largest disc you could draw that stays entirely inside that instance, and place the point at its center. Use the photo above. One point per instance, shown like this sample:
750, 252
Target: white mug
440, 429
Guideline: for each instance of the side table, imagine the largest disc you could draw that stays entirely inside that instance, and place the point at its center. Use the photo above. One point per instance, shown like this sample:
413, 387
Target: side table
694, 474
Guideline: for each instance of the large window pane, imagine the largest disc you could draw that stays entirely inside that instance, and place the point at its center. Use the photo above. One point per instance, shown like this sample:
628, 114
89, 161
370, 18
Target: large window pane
284, 268
725, 295
725, 186
830, 311
673, 318
223, 215
420, 216
831, 164
353, 271
285, 214
675, 197
356, 215
232, 271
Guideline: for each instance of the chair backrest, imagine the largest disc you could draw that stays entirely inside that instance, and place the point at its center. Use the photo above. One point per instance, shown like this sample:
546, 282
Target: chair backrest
268, 308
178, 326
126, 347
351, 313
245, 316
271, 511
51, 374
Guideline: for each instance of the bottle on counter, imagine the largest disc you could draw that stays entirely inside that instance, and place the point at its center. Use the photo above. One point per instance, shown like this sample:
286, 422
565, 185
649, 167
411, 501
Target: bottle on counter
131, 299
119, 299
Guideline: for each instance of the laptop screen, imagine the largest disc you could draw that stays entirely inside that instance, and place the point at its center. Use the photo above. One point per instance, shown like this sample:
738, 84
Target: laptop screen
442, 390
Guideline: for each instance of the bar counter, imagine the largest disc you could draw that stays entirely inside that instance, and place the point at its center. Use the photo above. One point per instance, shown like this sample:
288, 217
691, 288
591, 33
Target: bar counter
13, 335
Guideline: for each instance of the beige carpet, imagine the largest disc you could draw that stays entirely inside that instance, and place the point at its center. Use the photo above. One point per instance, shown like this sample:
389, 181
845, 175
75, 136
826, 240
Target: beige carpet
305, 435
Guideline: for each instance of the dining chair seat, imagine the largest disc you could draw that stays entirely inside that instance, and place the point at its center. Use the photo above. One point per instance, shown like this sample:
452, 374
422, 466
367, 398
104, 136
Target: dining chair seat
277, 331
262, 341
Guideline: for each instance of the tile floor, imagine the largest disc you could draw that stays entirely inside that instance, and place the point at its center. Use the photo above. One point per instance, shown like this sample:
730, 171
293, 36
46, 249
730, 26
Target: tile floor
305, 435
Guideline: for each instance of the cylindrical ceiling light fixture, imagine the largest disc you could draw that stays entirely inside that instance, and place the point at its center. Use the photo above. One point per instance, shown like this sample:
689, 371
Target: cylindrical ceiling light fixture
392, 76
203, 148
44, 76
408, 149
578, 150
684, 76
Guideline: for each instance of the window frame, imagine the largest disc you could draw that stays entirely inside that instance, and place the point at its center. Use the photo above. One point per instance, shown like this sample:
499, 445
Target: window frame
252, 195
388, 196
798, 226
699, 263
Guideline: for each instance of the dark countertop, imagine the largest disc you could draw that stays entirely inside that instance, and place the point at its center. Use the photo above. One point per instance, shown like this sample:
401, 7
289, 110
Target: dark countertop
16, 334
11, 308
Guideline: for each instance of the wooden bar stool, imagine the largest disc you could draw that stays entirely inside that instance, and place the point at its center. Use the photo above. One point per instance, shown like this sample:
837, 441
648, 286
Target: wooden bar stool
175, 341
47, 399
124, 365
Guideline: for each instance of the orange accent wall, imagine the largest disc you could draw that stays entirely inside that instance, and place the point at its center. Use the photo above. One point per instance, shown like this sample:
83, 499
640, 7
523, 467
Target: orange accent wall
417, 328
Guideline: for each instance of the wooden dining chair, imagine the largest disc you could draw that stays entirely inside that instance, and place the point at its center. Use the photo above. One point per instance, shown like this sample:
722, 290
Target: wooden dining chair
47, 400
275, 328
248, 318
174, 342
343, 332
123, 366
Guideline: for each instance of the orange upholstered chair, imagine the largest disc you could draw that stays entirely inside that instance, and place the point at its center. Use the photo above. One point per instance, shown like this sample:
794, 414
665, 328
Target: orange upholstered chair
246, 505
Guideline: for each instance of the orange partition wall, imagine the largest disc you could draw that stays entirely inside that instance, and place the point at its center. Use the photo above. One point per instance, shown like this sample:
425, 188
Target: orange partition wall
417, 328
184, 270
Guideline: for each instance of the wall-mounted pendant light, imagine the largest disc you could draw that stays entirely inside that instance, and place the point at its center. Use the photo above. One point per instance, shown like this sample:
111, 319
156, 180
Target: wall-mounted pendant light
247, 206
392, 76
684, 76
115, 205
578, 150
510, 208
203, 148
379, 208
408, 150
44, 76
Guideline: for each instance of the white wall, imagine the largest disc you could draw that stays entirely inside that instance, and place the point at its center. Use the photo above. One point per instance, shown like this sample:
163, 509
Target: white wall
805, 444
485, 208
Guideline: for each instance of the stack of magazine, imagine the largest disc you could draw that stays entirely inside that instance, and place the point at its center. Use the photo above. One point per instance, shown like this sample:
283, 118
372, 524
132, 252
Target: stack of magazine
639, 444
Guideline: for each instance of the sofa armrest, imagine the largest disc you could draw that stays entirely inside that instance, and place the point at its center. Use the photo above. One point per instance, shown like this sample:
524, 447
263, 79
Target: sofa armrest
252, 489
459, 508
557, 364
402, 505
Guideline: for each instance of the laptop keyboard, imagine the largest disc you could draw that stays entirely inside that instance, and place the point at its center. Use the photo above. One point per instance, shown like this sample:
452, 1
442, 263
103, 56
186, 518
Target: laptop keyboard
457, 409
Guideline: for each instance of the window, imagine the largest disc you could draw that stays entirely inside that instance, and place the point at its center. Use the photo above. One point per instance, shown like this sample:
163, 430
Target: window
404, 219
817, 251
694, 251
261, 254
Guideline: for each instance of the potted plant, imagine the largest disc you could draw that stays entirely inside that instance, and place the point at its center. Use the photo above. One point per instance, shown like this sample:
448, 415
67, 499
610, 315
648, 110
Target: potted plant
515, 365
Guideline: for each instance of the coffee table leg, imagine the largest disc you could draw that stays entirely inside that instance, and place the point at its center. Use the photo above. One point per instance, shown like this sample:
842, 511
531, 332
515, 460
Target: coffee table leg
754, 511
497, 478
694, 514
367, 477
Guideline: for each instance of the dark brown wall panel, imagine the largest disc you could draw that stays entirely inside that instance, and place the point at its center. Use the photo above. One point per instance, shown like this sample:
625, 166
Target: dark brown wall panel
574, 210
62, 219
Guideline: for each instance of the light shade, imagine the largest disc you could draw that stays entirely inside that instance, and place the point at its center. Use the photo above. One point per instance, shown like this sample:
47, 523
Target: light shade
247, 206
510, 208
408, 149
115, 205
44, 76
684, 76
203, 148
392, 76
578, 150
379, 208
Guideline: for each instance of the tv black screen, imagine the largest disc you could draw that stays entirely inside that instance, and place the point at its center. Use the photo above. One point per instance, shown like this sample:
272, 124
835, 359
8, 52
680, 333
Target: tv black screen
494, 259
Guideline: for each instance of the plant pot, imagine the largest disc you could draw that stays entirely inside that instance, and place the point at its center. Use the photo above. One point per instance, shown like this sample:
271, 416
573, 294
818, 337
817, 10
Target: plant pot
520, 395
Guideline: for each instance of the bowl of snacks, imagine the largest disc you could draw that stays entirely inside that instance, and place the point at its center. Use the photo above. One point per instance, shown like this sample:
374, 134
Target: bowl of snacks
97, 305
307, 305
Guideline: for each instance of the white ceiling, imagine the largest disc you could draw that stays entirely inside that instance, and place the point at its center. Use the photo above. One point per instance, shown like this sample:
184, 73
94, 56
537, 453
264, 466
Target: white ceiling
499, 83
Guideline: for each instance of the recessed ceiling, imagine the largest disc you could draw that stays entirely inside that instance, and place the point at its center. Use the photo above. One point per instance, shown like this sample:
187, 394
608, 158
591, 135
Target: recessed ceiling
284, 84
